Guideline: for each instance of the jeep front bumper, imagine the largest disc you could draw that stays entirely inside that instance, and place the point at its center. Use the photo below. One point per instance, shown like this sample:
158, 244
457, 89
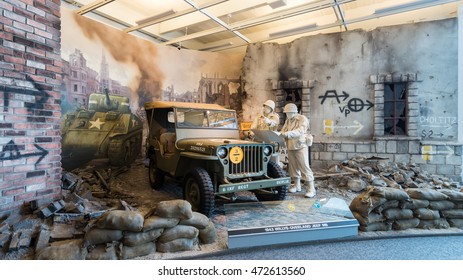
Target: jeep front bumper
253, 185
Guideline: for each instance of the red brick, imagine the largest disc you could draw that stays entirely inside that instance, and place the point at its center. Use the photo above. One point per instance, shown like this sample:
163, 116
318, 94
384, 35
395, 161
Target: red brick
15, 60
14, 16
24, 168
14, 74
6, 6
25, 197
35, 51
12, 192
23, 12
23, 26
4, 50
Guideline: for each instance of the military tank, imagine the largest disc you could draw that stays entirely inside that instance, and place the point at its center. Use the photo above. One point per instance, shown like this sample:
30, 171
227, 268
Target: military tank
107, 129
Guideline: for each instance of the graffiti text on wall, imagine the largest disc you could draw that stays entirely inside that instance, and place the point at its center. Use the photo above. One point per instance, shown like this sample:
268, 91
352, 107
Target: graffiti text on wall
11, 152
353, 105
436, 126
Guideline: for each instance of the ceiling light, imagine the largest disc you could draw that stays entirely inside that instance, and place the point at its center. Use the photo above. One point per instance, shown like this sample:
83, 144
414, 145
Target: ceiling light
405, 6
277, 4
294, 31
156, 17
216, 47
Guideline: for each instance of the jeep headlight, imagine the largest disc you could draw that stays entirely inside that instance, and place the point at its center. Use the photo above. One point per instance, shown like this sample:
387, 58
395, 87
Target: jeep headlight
222, 152
267, 151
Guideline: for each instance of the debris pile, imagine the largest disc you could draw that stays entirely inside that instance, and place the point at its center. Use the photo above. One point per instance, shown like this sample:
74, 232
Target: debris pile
400, 196
126, 234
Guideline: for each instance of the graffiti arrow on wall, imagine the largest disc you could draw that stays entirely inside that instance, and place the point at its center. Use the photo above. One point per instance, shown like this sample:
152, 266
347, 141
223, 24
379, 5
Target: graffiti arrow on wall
11, 152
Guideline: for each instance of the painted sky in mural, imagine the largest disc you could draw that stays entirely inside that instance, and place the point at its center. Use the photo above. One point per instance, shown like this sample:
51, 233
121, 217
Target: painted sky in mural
96, 56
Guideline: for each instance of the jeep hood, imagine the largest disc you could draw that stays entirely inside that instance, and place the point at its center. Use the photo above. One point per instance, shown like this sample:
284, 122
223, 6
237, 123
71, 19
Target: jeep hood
208, 146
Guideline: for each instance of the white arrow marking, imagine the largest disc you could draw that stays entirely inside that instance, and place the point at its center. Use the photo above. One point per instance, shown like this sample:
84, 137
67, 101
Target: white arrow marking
449, 151
357, 125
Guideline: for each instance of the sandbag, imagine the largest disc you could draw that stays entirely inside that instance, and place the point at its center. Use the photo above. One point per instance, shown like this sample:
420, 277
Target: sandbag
63, 250
426, 214
364, 203
198, 221
376, 227
452, 213
138, 238
129, 252
440, 223
458, 223
103, 252
176, 208
386, 205
405, 224
208, 235
397, 214
121, 220
414, 203
441, 205
101, 236
153, 222
389, 193
453, 195
177, 232
369, 219
458, 205
177, 245
427, 194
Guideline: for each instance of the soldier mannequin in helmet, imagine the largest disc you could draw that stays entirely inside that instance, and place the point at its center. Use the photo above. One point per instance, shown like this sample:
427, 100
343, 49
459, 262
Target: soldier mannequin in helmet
295, 131
267, 119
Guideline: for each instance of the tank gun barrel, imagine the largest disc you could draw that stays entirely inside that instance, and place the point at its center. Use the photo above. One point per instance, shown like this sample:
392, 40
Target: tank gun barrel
108, 100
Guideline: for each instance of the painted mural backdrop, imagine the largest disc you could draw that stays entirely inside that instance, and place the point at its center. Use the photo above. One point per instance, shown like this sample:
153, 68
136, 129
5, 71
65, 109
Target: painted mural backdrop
108, 75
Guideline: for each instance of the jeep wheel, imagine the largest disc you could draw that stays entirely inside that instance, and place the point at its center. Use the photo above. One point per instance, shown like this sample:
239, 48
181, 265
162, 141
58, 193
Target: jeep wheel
156, 175
278, 193
198, 190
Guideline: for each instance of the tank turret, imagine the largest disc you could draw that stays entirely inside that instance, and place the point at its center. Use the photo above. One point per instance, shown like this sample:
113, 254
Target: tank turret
107, 129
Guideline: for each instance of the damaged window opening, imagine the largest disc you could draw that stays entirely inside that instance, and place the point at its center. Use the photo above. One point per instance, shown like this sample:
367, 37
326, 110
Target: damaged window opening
395, 108
294, 95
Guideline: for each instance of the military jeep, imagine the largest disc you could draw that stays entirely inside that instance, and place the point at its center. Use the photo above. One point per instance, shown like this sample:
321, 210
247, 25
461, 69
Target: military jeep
199, 145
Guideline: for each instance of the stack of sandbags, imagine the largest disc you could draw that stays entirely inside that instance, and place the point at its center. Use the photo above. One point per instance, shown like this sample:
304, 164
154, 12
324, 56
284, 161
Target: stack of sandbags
63, 250
104, 239
426, 205
191, 227
454, 215
377, 209
122, 234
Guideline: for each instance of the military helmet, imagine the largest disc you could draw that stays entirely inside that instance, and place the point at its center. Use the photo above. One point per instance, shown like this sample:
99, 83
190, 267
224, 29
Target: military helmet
270, 104
290, 108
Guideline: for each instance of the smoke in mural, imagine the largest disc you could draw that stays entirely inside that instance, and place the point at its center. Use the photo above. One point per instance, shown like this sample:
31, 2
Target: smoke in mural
108, 75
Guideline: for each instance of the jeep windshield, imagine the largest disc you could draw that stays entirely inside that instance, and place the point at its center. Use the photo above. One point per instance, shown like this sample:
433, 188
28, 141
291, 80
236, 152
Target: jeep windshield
201, 118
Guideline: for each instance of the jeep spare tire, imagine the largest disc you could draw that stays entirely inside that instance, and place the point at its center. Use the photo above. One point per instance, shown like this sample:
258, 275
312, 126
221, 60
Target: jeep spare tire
198, 190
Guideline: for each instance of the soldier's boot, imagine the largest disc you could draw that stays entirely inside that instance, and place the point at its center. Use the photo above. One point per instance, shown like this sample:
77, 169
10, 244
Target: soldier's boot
310, 189
296, 187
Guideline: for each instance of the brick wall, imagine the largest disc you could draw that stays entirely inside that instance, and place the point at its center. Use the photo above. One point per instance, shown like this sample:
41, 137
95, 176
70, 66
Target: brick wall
441, 159
30, 102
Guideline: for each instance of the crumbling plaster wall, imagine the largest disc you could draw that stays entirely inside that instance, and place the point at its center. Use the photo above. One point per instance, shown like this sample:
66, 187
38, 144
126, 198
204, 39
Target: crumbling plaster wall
349, 70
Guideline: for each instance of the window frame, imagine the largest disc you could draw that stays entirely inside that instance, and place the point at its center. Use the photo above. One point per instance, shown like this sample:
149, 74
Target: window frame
395, 101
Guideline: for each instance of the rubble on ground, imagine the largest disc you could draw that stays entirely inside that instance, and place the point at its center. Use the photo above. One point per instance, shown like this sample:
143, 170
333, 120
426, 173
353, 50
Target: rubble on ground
91, 221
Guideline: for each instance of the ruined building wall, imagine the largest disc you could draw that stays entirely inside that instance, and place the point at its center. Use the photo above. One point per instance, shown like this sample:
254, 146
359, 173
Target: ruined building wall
30, 110
342, 79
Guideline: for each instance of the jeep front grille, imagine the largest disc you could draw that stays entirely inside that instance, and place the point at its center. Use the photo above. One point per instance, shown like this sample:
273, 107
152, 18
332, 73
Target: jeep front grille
252, 163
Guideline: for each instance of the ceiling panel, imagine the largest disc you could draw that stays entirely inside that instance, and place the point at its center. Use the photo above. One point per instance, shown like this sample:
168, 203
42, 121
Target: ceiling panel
229, 25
